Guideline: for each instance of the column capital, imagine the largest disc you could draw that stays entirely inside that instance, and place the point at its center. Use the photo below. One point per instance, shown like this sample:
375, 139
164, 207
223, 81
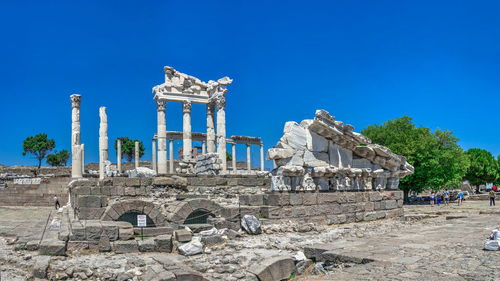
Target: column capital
75, 100
220, 100
186, 107
161, 105
210, 107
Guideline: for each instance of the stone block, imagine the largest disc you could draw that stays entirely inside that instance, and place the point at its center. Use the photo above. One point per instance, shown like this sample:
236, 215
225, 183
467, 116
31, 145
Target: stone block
400, 203
132, 182
32, 245
274, 268
310, 198
369, 206
294, 212
77, 246
270, 212
89, 201
251, 199
163, 243
154, 231
182, 235
362, 197
90, 213
78, 233
146, 245
328, 197
40, 267
111, 230
146, 182
277, 199
230, 212
389, 195
52, 247
337, 219
93, 230
125, 247
390, 204
375, 196
104, 243
296, 199
248, 210
95, 190
378, 205
125, 233
129, 191
394, 213
212, 240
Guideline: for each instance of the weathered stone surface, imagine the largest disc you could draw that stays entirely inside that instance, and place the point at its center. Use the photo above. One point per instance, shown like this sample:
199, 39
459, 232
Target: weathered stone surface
251, 224
163, 243
141, 172
146, 245
274, 268
32, 245
126, 233
52, 247
212, 239
192, 248
174, 181
251, 199
124, 247
277, 199
40, 267
182, 235
104, 244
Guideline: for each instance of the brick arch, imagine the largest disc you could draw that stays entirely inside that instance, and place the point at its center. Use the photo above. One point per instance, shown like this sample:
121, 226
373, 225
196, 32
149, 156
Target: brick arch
180, 213
114, 211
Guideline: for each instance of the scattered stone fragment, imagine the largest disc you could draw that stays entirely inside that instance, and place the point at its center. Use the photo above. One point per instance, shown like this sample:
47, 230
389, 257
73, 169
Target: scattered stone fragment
192, 248
251, 224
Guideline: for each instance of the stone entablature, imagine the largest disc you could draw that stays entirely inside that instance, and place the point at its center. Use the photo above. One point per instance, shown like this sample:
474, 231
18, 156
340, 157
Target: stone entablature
326, 154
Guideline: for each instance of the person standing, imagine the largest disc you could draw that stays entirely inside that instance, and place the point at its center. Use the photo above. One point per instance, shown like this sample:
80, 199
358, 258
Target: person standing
492, 197
460, 197
446, 196
56, 202
431, 198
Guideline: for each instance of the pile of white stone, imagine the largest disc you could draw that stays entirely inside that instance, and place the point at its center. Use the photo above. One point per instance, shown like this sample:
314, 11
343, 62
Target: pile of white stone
208, 164
327, 154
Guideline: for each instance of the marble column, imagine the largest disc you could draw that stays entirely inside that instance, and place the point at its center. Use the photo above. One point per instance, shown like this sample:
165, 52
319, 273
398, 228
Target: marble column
233, 156
136, 150
221, 131
171, 155
203, 147
162, 137
82, 146
262, 157
210, 128
153, 156
103, 141
187, 142
249, 159
119, 155
76, 161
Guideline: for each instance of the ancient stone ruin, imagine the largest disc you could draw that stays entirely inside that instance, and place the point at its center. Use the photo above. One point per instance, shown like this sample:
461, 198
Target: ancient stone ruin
326, 154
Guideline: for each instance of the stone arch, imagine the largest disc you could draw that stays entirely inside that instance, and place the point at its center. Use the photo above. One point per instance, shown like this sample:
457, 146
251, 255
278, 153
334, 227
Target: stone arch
114, 211
185, 208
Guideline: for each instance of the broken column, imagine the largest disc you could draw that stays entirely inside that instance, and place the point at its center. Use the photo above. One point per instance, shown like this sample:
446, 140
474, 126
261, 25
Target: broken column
76, 161
119, 155
221, 131
187, 146
210, 128
262, 157
153, 156
103, 141
136, 150
162, 137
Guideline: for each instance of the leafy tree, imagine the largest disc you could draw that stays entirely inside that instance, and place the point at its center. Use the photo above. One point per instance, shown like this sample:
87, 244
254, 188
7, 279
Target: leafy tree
59, 158
438, 160
483, 168
38, 145
229, 156
128, 148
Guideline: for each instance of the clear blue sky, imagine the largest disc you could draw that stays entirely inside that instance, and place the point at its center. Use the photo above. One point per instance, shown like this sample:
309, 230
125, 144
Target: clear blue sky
364, 61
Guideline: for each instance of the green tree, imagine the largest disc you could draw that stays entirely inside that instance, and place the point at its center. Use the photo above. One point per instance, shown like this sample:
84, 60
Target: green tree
128, 148
438, 160
38, 145
229, 156
58, 159
483, 167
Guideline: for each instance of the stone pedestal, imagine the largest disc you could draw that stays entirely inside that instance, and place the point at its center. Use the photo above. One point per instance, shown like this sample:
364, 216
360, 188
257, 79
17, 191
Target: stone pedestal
162, 138
221, 131
210, 128
187, 146
137, 157
76, 161
119, 155
103, 141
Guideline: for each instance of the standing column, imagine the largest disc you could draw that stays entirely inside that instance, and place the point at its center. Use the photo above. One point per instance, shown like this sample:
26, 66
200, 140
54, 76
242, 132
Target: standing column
249, 160
233, 156
221, 130
162, 137
119, 155
203, 147
76, 161
103, 141
136, 146
210, 128
171, 154
187, 146
262, 157
82, 146
153, 156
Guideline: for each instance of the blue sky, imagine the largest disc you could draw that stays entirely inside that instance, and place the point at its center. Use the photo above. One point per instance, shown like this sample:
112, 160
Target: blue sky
364, 61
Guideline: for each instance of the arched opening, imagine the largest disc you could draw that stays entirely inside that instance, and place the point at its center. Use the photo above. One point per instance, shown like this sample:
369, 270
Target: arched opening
131, 217
199, 216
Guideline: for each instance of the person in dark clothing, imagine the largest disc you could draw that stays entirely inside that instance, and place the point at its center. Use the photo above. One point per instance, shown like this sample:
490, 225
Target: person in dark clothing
492, 198
56, 202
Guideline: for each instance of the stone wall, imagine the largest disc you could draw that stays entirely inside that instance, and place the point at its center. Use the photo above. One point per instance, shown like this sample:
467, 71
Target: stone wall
29, 170
35, 194
329, 207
